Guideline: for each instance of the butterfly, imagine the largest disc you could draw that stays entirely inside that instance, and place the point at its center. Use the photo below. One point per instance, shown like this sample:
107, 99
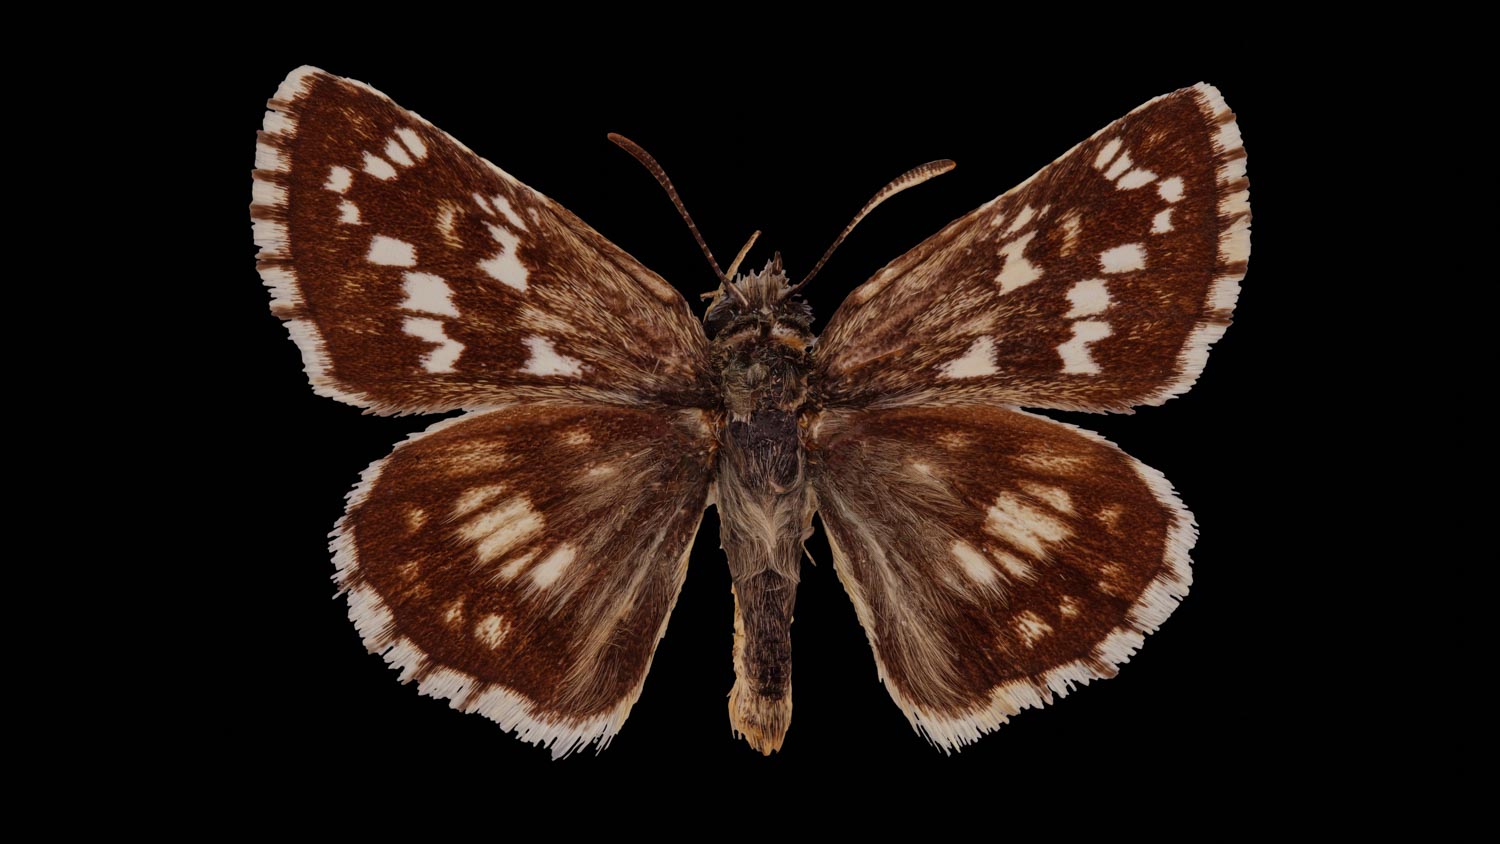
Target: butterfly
521, 560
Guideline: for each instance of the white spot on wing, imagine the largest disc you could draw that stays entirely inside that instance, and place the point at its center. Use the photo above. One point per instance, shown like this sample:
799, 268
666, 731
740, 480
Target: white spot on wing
1075, 352
379, 167
1027, 212
1070, 225
1090, 296
1170, 189
446, 215
1017, 271
977, 361
504, 266
339, 179
1162, 222
503, 206
394, 152
1023, 525
391, 252
348, 213
1134, 179
1014, 566
1056, 497
476, 497
427, 292
974, 564
1107, 153
1031, 627
498, 530
550, 569
1068, 606
492, 630
455, 612
440, 359
513, 568
413, 142
546, 360
1123, 259
1120, 166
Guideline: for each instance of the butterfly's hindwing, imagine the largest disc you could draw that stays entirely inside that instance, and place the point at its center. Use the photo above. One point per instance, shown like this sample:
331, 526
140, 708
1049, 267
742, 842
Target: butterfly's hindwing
1098, 284
522, 562
417, 277
995, 558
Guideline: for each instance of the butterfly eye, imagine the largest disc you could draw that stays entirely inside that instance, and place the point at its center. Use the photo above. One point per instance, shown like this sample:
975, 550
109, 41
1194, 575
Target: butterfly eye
719, 315
797, 310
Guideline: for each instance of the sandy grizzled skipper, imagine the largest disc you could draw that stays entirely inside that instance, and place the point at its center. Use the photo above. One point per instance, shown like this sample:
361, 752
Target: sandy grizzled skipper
521, 560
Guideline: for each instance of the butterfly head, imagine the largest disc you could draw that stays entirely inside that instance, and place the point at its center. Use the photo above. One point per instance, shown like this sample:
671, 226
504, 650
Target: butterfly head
766, 303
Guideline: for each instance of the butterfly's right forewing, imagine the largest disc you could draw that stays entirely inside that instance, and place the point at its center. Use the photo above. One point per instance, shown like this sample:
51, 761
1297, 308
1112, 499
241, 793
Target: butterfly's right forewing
417, 277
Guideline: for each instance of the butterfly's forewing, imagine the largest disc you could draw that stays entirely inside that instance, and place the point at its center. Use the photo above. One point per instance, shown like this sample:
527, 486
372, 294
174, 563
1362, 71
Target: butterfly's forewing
995, 558
1098, 284
417, 277
521, 563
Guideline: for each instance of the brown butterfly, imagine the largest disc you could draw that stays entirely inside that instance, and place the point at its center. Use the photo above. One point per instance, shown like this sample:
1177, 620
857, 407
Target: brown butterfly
521, 560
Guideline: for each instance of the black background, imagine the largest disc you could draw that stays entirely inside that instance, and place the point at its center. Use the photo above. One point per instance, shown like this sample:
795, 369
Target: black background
753, 139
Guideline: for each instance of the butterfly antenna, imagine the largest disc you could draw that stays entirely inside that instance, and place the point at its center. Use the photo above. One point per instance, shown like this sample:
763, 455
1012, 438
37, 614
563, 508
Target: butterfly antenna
744, 250
715, 294
661, 177
910, 179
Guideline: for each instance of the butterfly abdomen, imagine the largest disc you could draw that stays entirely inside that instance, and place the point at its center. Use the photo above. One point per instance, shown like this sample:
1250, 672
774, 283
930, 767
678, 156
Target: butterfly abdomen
765, 513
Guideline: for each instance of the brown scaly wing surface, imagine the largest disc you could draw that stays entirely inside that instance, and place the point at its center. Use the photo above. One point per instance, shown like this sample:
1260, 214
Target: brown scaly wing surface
996, 559
522, 562
1098, 284
417, 277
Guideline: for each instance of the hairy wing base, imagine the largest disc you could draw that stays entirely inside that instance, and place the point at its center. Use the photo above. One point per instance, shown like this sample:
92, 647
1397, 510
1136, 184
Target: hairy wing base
522, 563
996, 559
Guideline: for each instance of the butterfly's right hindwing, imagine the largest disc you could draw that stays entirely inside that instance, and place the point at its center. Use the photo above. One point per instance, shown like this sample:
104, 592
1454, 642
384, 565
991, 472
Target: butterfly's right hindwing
417, 277
522, 562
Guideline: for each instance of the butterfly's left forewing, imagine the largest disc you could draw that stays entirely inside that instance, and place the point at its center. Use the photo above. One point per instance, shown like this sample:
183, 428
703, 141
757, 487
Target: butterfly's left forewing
1098, 284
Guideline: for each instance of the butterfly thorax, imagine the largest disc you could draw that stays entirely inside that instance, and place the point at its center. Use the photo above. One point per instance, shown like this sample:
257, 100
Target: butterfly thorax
762, 345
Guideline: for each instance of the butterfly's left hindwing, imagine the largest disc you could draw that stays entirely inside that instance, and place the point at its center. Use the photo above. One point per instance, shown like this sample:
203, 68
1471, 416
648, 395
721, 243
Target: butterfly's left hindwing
521, 563
1098, 284
995, 558
416, 277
